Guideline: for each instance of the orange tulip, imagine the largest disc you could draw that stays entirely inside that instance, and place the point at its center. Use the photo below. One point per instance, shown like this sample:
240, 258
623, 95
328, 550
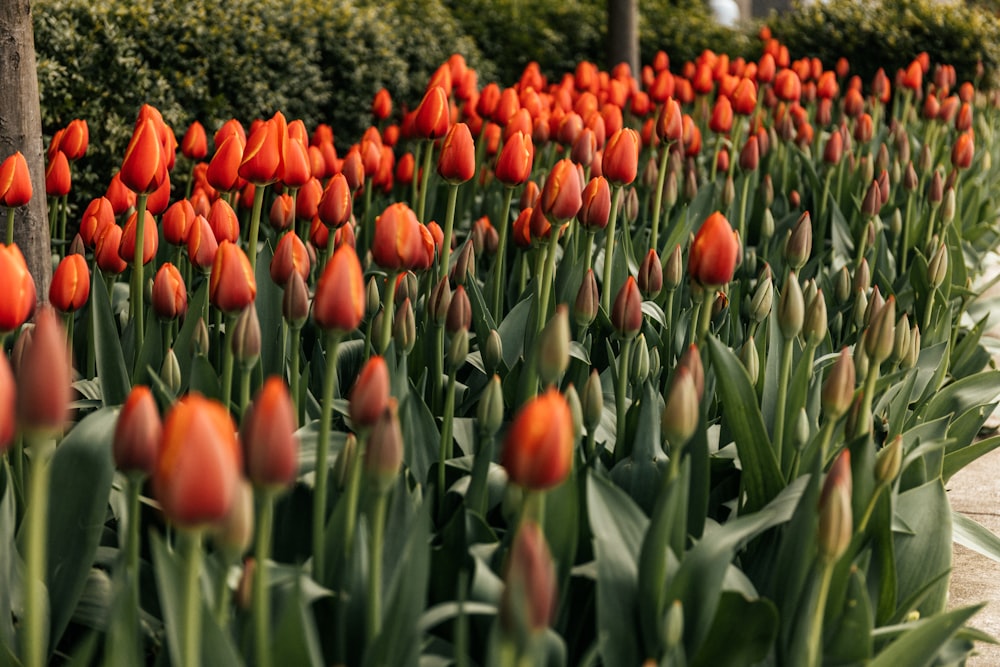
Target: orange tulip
224, 222
382, 104
626, 313
262, 155
201, 244
70, 286
336, 204
194, 145
19, 289
223, 169
721, 121
620, 163
75, 139
370, 395
159, 199
457, 162
58, 179
400, 242
405, 168
788, 86
8, 404
268, 437
296, 168
177, 222
169, 293
290, 256
198, 467
98, 214
121, 198
562, 195
138, 432
596, 208
232, 286
881, 88
339, 304
281, 216
144, 166
307, 201
745, 97
963, 151
15, 181
538, 448
433, 115
712, 258
108, 260
150, 236
44, 376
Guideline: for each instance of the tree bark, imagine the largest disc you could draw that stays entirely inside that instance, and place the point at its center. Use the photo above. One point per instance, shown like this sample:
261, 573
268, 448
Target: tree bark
21, 130
623, 34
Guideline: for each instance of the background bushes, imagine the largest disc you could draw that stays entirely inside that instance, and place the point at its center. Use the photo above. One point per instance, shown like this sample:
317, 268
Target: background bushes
323, 60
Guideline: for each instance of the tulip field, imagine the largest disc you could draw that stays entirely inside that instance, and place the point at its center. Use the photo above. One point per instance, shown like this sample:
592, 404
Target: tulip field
667, 367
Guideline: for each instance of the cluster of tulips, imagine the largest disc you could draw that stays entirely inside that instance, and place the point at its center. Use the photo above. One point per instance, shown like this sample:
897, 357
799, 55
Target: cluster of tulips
604, 370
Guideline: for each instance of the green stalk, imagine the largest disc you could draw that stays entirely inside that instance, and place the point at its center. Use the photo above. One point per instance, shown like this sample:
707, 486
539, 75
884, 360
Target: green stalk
658, 197
10, 226
446, 449
815, 646
704, 316
246, 371
545, 288
782, 400
136, 306
35, 646
296, 333
134, 486
609, 249
438, 365
499, 263
322, 453
191, 649
424, 180
388, 311
63, 207
620, 388
865, 414
258, 201
476, 497
227, 363
261, 590
377, 527
449, 225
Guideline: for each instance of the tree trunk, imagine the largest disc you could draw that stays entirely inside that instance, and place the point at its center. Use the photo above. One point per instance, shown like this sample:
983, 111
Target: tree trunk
21, 130
623, 34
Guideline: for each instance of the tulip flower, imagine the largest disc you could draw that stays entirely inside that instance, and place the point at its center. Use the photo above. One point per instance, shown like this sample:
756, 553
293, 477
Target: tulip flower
963, 151
127, 247
400, 241
19, 289
169, 293
15, 188
144, 166
232, 286
515, 160
70, 286
538, 448
433, 116
713, 255
138, 432
267, 434
620, 164
336, 204
8, 404
223, 168
44, 376
75, 139
58, 179
339, 304
106, 250
370, 395
290, 256
201, 244
529, 596
224, 222
194, 145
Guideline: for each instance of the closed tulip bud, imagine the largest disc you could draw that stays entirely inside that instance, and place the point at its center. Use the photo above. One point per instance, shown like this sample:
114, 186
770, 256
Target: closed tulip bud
595, 210
70, 286
814, 327
791, 308
198, 468
281, 215
336, 203
751, 359
766, 225
234, 532
650, 275
713, 254
295, 301
874, 304
15, 181
433, 115
553, 347
681, 410
750, 154
836, 525
575, 409
881, 332
626, 313
404, 327
44, 375
138, 431
58, 179
202, 247
834, 148
246, 338
901, 343
888, 461
457, 161
440, 301
538, 447
340, 474
369, 397
459, 316
126, 247
232, 286
872, 203
493, 351
515, 159
592, 401
465, 265
270, 446
290, 256
728, 193
529, 597
640, 363
170, 372
561, 197
948, 207
489, 411
458, 350
798, 245
937, 268
909, 359
763, 299
339, 303
670, 189
144, 167
194, 144
620, 164
400, 241
169, 295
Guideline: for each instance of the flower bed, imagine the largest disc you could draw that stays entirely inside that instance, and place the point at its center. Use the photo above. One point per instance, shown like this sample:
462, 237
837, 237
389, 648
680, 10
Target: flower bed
668, 369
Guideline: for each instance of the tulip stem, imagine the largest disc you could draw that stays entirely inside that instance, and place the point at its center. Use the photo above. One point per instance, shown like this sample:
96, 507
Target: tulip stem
35, 647
782, 400
661, 177
864, 420
10, 226
62, 207
447, 445
477, 496
499, 264
227, 363
449, 225
261, 590
425, 177
377, 527
322, 453
135, 298
742, 219
704, 317
815, 657
294, 376
545, 288
621, 386
191, 651
609, 249
132, 543
388, 310
245, 371
258, 201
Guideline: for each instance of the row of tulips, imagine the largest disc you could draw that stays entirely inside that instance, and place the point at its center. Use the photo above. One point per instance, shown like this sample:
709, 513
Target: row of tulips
670, 405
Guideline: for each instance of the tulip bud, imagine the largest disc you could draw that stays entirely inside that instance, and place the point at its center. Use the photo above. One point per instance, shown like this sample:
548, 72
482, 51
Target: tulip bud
200, 339
459, 316
538, 447
575, 409
861, 307
384, 450
814, 327
751, 359
440, 301
489, 412
798, 245
246, 338
233, 534
889, 461
881, 332
295, 301
766, 189
268, 436
170, 372
339, 303
529, 595
587, 301
791, 308
835, 521
909, 360
948, 207
640, 360
766, 225
370, 395
465, 265
345, 461
901, 343
626, 313
592, 401
553, 347
650, 278
458, 349
44, 374
404, 327
763, 298
681, 410
138, 432
493, 351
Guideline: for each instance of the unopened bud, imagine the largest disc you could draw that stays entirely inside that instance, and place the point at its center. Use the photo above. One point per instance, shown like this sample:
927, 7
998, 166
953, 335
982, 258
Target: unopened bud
948, 207
592, 401
575, 410
872, 202
881, 332
440, 301
170, 372
838, 388
766, 189
246, 337
763, 299
199, 340
751, 359
384, 449
800, 432
493, 351
673, 624
459, 316
889, 461
458, 350
874, 304
814, 328
404, 327
650, 277
681, 410
935, 191
798, 244
373, 300
728, 193
767, 225
860, 308
553, 347
901, 344
910, 179
489, 412
842, 286
791, 308
909, 360
295, 301
673, 269
234, 533
836, 526
587, 300
345, 460
690, 184
465, 265
640, 360
670, 189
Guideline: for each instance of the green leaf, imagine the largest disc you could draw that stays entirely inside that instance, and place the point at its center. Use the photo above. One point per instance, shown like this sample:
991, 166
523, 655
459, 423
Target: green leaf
512, 330
183, 347
742, 633
962, 395
82, 472
420, 432
921, 640
955, 461
8, 557
295, 638
151, 354
268, 303
973, 535
110, 359
762, 477
927, 553
851, 641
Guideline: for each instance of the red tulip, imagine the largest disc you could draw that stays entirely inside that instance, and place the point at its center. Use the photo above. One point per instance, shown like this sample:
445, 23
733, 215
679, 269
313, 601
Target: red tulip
169, 293
194, 145
150, 236
626, 313
370, 395
262, 154
44, 376
963, 151
721, 121
232, 286
70, 286
400, 242
295, 169
8, 404
120, 197
596, 209
15, 181
290, 256
109, 239
58, 179
223, 221
339, 304
538, 448
138, 432
620, 163
223, 169
382, 104
144, 166
562, 195
336, 204
177, 222
268, 437
201, 244
198, 466
712, 259
457, 161
74, 139
433, 115
19, 289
